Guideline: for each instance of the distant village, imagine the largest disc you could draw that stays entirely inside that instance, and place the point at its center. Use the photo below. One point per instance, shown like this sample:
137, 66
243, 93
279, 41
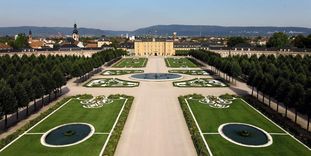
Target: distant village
30, 43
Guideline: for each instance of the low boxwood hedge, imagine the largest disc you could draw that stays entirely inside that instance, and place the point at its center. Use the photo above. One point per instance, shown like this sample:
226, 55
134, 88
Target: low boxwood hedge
194, 131
116, 134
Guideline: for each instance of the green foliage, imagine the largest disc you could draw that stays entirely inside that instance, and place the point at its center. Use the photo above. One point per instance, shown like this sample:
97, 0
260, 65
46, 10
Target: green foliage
181, 52
278, 40
42, 75
233, 41
21, 42
21, 95
278, 77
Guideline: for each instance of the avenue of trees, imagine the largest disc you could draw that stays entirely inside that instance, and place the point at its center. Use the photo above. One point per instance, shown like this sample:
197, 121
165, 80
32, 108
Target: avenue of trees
285, 78
27, 78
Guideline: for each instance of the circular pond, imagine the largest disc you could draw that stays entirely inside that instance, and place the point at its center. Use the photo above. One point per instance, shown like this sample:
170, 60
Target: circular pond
245, 135
156, 76
67, 135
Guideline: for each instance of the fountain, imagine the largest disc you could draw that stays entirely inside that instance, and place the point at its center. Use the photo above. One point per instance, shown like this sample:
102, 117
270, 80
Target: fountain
67, 135
156, 76
245, 135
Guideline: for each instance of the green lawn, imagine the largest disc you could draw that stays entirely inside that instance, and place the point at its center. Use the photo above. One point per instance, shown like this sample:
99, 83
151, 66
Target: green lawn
209, 119
131, 63
200, 82
120, 72
101, 118
181, 63
110, 82
190, 72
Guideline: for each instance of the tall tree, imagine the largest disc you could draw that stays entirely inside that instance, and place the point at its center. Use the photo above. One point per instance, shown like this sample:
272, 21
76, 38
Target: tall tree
296, 96
21, 97
278, 40
307, 106
38, 89
7, 100
21, 42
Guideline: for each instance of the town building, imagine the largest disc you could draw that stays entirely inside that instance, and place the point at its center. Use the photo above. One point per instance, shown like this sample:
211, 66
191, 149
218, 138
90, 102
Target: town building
4, 47
183, 46
101, 43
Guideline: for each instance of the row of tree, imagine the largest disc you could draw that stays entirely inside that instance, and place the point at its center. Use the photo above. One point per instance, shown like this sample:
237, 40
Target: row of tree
284, 78
278, 40
24, 79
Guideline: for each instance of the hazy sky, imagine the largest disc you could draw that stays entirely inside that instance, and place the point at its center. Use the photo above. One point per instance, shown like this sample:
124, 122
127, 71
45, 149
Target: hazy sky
133, 14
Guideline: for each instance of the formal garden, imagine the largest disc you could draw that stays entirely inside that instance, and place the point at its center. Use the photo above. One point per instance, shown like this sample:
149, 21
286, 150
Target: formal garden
200, 82
190, 72
181, 63
221, 125
81, 125
120, 72
111, 82
131, 63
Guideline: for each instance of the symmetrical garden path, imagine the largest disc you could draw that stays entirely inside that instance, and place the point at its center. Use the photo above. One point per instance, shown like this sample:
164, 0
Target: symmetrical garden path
155, 125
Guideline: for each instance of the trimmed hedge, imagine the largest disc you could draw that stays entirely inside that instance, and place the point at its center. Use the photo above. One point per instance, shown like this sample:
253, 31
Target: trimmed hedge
116, 134
182, 52
194, 131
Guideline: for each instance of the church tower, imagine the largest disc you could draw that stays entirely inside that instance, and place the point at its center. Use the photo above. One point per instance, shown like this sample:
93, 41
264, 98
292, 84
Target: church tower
30, 36
75, 33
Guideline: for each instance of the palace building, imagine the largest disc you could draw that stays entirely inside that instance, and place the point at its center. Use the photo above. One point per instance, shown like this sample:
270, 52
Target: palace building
154, 47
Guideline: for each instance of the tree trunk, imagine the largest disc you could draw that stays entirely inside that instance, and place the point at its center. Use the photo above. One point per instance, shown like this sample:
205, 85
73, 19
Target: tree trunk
285, 110
308, 124
296, 113
35, 104
6, 120
269, 101
263, 98
257, 93
252, 90
27, 109
49, 97
277, 106
42, 101
55, 93
17, 113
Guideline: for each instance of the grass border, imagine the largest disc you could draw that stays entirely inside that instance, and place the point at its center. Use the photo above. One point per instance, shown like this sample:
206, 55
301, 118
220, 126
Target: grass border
193, 129
85, 85
117, 132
